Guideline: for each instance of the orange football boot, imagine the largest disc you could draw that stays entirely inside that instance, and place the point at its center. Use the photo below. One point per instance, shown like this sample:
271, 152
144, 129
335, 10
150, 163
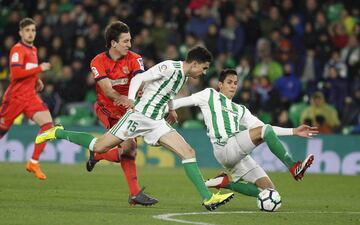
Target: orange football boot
35, 168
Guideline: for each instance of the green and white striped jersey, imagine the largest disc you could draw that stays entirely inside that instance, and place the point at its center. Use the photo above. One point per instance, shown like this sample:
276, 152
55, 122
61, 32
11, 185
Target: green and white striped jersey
157, 93
223, 118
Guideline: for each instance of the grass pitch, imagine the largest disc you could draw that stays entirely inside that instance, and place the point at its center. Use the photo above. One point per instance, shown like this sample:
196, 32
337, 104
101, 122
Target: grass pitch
71, 195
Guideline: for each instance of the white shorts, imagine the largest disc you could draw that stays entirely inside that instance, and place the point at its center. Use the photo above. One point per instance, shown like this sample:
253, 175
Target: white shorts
134, 124
234, 156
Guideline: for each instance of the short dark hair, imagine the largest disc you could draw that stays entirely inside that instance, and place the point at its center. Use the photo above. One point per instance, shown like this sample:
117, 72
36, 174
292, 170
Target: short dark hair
225, 73
26, 22
199, 54
113, 32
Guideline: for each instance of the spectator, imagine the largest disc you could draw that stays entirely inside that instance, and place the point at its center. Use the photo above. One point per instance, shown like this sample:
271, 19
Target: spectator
288, 85
266, 66
320, 113
231, 37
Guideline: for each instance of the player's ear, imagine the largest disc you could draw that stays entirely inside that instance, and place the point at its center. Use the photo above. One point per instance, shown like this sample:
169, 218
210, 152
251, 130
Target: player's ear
113, 43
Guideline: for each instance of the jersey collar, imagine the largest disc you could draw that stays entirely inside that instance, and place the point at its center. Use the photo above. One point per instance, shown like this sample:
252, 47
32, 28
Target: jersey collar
26, 45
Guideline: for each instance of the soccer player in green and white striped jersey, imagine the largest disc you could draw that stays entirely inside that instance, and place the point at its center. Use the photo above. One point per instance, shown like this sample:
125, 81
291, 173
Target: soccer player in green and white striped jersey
234, 132
161, 83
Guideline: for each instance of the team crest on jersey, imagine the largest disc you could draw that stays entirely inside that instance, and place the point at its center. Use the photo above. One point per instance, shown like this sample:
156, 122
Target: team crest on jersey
125, 70
15, 57
163, 68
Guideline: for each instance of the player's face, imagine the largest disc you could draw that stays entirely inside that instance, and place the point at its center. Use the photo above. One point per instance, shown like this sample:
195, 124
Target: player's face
28, 34
229, 86
124, 43
198, 69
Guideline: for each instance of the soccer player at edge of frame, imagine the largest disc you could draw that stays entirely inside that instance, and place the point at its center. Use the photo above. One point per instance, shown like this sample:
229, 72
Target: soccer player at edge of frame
21, 95
113, 71
146, 118
234, 133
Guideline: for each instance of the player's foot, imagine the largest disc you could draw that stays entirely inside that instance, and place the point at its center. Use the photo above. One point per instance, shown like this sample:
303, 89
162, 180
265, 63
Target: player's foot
35, 168
217, 200
299, 168
48, 135
220, 181
142, 199
90, 164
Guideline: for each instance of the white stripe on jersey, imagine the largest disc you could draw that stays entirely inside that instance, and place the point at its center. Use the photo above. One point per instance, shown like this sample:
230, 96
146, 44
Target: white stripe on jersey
223, 118
157, 93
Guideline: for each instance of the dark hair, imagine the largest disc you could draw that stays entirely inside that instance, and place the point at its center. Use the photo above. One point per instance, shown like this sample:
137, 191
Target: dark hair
225, 73
199, 54
26, 22
113, 32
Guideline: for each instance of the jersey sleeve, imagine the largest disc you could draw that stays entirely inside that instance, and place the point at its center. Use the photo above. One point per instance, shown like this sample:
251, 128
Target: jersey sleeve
98, 69
137, 65
249, 120
17, 56
201, 97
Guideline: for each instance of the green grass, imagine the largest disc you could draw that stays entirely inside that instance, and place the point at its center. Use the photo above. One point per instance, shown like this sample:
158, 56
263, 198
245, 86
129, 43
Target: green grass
71, 195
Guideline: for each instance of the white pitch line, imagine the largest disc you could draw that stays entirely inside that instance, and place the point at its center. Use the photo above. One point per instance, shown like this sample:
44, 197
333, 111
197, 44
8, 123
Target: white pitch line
168, 217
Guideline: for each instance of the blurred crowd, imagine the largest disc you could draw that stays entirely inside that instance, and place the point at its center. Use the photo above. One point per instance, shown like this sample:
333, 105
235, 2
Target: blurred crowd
297, 61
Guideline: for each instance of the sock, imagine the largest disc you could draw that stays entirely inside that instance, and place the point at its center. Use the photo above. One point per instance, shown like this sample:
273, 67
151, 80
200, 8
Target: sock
80, 138
112, 155
276, 147
128, 166
39, 148
194, 174
245, 188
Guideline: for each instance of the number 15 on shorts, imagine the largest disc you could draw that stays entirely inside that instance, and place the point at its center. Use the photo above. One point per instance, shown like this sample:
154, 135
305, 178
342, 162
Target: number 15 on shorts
132, 126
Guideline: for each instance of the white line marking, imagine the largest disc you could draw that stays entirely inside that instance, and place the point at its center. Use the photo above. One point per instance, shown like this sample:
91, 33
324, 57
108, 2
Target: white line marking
168, 217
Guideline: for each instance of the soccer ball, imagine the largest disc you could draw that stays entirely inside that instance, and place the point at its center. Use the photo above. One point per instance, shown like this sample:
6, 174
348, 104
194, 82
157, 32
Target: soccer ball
269, 200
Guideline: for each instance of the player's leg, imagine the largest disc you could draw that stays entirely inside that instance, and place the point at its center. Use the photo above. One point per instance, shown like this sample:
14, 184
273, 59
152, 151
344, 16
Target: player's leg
174, 142
106, 142
267, 134
127, 163
44, 120
234, 159
10, 109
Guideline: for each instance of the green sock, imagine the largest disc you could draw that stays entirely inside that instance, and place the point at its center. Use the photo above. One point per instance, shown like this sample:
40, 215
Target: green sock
194, 174
80, 138
243, 187
276, 147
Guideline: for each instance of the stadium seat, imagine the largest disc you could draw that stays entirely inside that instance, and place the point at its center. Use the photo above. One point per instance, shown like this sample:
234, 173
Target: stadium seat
192, 124
295, 112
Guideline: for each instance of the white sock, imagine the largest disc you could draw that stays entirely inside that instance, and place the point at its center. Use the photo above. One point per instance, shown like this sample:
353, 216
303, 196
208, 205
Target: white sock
92, 143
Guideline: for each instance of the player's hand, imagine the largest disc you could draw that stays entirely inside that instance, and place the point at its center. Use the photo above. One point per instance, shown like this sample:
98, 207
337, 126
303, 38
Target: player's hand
39, 85
124, 101
306, 131
128, 104
172, 117
120, 100
45, 66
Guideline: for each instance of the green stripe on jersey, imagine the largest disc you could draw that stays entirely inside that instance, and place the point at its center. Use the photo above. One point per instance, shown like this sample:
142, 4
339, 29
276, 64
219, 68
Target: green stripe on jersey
235, 109
160, 89
213, 115
225, 115
166, 98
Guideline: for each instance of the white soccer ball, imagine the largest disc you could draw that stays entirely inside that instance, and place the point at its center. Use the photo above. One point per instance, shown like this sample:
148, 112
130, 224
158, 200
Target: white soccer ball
269, 200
